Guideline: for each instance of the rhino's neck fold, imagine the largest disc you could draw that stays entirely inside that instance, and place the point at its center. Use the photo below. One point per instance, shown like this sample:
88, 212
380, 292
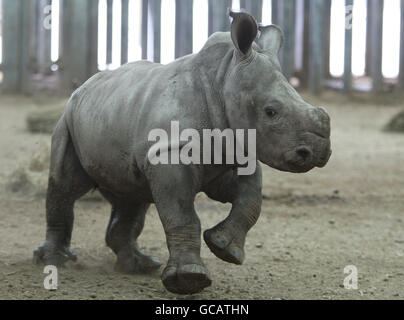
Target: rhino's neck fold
212, 74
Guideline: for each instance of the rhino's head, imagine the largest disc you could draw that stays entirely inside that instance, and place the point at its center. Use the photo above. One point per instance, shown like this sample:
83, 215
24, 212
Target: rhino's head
292, 135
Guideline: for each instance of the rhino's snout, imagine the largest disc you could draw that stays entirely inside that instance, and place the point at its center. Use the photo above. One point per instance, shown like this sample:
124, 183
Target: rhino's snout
303, 159
322, 129
314, 149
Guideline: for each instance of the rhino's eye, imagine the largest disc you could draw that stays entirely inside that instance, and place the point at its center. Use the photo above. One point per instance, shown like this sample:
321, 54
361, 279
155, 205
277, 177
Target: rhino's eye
270, 112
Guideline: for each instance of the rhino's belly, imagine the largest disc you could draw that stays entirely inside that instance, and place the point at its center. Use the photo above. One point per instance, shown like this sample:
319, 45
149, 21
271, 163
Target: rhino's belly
110, 169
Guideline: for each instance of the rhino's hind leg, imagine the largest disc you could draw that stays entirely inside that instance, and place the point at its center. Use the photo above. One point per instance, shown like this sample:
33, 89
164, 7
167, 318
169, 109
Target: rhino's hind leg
125, 225
67, 182
226, 239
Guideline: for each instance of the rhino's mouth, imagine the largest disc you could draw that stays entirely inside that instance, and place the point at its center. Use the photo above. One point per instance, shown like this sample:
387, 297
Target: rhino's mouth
296, 168
303, 159
324, 160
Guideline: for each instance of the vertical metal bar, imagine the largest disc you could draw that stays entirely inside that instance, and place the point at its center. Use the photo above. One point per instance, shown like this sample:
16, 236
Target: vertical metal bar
218, 18
11, 45
66, 11
44, 36
33, 37
369, 13
16, 28
79, 45
288, 24
109, 31
124, 31
280, 13
304, 75
92, 45
210, 17
74, 45
154, 22
376, 48
316, 46
254, 7
61, 37
145, 16
26, 7
401, 74
326, 39
183, 27
275, 11
348, 54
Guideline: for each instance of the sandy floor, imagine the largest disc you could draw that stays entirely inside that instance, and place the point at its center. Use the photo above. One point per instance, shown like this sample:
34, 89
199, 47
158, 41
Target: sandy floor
311, 226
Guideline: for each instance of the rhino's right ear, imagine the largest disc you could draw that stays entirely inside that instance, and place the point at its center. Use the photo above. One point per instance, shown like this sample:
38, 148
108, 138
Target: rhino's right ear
271, 38
244, 30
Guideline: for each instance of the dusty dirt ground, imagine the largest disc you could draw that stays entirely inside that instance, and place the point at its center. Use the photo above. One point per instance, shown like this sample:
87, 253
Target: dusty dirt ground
311, 225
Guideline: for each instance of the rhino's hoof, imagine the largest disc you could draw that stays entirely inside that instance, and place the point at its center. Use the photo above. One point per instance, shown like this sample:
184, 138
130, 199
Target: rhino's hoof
186, 279
224, 246
136, 262
53, 255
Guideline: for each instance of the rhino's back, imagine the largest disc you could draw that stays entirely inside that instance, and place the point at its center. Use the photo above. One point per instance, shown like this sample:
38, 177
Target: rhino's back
116, 98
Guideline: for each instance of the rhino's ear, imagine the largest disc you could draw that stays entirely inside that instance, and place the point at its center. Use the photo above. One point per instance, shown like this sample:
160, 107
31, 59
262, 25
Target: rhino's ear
270, 39
244, 30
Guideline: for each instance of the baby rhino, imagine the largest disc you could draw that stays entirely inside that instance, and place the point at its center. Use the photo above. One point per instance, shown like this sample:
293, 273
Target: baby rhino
102, 141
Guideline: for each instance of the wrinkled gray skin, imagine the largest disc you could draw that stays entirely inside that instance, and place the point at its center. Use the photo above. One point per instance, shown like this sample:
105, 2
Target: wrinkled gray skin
102, 141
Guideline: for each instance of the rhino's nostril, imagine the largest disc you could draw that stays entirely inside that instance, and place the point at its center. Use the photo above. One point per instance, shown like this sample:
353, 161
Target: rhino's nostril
304, 153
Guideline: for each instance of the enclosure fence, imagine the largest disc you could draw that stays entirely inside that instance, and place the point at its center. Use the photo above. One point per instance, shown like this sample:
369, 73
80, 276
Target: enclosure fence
30, 60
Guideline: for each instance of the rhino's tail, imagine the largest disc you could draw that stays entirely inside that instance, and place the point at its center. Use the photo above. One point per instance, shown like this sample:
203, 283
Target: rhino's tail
60, 141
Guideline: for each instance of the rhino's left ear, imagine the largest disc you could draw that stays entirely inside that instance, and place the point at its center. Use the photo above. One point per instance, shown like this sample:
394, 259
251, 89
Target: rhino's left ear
271, 38
244, 30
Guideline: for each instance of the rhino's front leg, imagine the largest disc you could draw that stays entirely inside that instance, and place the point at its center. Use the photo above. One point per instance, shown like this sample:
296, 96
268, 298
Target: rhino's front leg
174, 188
226, 240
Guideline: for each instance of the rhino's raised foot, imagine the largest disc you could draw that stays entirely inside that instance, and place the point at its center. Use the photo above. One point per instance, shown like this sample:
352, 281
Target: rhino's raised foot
49, 254
135, 261
224, 246
186, 279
